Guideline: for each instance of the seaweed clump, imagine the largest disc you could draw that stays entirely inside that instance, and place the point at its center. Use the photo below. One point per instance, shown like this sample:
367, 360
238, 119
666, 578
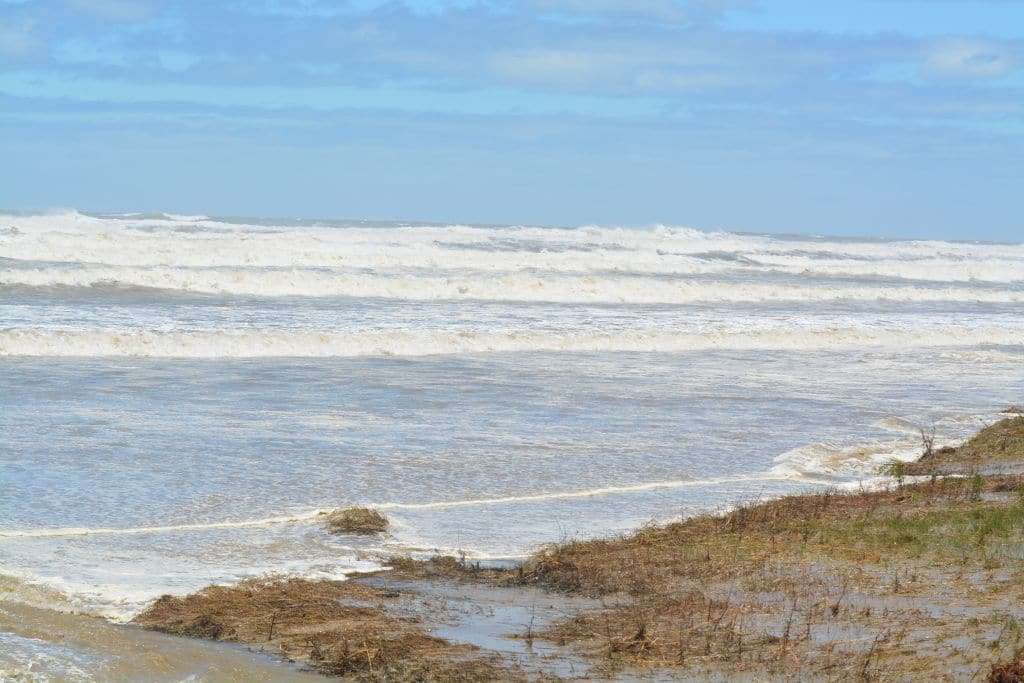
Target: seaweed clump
356, 520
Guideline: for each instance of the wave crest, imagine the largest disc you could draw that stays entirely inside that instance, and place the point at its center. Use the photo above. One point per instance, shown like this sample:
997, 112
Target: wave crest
256, 344
524, 286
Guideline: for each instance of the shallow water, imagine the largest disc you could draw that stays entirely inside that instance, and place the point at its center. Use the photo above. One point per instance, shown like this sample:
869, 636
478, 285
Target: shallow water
180, 396
44, 645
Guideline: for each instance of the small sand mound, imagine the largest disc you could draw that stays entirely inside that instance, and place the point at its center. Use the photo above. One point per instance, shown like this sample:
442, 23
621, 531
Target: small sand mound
356, 520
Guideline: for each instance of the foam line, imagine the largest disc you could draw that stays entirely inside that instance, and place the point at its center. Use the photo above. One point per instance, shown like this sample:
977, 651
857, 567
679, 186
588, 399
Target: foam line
84, 531
426, 342
440, 505
590, 493
531, 281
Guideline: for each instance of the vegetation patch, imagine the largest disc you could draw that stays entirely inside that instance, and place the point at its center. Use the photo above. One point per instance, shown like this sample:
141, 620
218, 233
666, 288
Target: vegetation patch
940, 519
339, 628
1001, 441
356, 520
1009, 672
998, 444
867, 585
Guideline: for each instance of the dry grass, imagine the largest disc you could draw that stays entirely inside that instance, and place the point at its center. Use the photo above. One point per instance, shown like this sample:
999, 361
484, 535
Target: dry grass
795, 587
1010, 672
792, 586
931, 518
999, 443
356, 520
340, 628
445, 568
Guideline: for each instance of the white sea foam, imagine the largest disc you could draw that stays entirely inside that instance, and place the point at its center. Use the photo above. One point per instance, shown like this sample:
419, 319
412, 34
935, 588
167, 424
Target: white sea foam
852, 463
524, 286
172, 528
107, 590
833, 461
312, 515
898, 425
567, 495
38, 661
310, 344
118, 249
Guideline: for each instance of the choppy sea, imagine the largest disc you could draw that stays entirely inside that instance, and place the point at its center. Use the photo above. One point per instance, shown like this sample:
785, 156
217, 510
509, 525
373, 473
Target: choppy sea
180, 396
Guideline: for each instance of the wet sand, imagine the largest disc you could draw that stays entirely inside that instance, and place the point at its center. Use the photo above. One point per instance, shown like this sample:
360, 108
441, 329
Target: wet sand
49, 645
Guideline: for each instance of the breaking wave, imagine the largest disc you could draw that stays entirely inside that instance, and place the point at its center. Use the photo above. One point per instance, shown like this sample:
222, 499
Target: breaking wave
523, 286
310, 344
831, 461
147, 250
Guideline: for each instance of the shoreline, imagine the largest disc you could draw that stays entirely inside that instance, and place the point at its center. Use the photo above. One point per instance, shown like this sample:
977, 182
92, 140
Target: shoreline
924, 577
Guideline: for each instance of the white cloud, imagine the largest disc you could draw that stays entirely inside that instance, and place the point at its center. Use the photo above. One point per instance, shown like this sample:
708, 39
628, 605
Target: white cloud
969, 59
617, 67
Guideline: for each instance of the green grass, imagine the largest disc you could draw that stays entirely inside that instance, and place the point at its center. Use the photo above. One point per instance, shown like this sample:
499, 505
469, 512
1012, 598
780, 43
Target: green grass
942, 532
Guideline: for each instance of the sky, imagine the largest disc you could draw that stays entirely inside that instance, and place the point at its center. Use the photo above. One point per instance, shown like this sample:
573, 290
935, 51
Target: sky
902, 118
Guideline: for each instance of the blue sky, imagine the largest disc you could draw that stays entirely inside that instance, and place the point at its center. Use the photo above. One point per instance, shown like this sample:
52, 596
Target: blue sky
892, 117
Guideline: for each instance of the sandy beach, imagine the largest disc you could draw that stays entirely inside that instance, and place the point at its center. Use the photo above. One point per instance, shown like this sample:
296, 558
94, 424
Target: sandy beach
919, 576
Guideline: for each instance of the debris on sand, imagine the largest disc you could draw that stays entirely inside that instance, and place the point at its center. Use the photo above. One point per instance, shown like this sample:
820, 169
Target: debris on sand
1011, 672
339, 628
356, 520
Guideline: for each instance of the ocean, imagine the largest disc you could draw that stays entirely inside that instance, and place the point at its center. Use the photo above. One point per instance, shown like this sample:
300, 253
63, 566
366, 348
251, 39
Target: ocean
181, 396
